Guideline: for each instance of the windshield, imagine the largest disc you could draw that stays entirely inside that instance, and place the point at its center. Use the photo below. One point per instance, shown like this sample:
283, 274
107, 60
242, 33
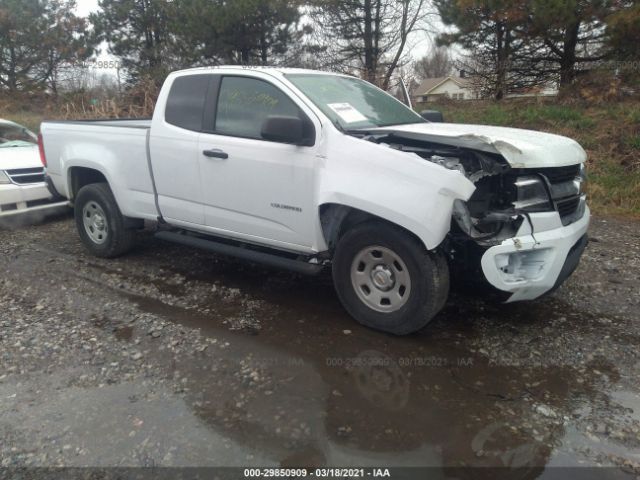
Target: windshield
14, 135
352, 103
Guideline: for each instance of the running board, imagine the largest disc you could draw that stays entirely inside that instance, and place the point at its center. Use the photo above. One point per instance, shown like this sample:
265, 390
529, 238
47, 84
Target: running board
272, 260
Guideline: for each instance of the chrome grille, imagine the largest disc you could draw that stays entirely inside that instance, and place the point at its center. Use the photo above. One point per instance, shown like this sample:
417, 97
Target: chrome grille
564, 187
24, 176
560, 174
568, 206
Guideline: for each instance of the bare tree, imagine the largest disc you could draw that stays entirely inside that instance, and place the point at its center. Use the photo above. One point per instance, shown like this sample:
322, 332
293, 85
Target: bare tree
368, 37
437, 63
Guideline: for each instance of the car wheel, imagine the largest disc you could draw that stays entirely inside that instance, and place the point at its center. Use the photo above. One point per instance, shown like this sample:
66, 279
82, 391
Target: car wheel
100, 223
387, 280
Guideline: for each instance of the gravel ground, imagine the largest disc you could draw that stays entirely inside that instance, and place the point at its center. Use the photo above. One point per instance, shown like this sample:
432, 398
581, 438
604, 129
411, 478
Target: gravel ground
171, 356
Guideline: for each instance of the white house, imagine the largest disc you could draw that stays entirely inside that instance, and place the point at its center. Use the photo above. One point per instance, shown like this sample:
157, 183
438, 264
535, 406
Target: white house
432, 89
461, 88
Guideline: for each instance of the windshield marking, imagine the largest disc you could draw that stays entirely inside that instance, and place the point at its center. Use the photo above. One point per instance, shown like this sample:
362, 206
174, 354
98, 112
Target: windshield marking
347, 112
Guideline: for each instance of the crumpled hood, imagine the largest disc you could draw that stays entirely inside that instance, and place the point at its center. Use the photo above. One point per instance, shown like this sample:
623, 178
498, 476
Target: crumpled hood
521, 148
19, 157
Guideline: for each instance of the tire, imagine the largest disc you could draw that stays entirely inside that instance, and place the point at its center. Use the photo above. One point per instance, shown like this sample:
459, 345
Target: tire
386, 279
100, 223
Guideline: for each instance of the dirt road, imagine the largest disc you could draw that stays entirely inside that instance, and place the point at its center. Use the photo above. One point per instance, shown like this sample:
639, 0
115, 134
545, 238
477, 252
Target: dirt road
172, 356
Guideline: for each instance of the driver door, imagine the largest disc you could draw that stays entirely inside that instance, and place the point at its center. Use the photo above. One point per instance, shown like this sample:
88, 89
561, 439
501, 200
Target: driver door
253, 188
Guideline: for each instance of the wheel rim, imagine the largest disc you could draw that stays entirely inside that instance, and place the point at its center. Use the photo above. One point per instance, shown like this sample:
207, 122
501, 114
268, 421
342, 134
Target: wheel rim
95, 222
381, 279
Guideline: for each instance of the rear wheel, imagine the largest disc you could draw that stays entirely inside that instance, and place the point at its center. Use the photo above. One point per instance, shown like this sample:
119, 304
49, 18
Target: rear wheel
100, 223
386, 279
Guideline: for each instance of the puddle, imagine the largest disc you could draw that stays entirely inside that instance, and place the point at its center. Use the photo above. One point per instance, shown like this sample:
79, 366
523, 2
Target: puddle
305, 385
628, 400
120, 425
363, 398
314, 395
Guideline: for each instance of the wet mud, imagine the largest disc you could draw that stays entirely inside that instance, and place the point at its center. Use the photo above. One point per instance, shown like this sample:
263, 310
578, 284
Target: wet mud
233, 364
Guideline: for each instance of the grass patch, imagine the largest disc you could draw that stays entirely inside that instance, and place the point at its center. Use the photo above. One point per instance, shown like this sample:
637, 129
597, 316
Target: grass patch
541, 116
634, 116
614, 190
634, 142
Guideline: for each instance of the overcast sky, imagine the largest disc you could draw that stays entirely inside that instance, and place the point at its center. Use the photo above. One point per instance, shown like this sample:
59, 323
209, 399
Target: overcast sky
85, 7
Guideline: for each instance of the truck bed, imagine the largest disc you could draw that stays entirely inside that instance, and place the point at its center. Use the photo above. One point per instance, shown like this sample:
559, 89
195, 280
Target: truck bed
112, 147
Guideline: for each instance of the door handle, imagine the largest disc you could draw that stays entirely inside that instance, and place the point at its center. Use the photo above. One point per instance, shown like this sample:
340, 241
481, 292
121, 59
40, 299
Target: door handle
215, 153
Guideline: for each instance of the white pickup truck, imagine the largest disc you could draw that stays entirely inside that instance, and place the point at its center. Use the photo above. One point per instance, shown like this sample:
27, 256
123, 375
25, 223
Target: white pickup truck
306, 170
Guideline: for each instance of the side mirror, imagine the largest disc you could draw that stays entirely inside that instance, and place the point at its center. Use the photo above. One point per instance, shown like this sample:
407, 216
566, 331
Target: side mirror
284, 129
432, 115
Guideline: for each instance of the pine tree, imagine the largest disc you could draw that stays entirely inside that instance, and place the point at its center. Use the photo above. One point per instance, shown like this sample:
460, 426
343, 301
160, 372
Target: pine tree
139, 33
38, 38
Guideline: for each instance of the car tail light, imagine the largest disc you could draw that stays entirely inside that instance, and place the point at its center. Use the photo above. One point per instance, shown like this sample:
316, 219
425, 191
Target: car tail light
43, 159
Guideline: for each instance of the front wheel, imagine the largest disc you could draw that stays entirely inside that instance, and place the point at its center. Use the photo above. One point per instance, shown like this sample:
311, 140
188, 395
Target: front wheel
386, 279
100, 223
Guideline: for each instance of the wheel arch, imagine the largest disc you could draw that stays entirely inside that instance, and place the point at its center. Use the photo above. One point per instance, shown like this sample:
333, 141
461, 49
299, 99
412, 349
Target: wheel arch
78, 177
336, 219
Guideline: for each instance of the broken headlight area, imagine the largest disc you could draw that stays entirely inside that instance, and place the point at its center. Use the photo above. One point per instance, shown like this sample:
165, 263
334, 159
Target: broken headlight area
531, 194
488, 229
503, 201
496, 209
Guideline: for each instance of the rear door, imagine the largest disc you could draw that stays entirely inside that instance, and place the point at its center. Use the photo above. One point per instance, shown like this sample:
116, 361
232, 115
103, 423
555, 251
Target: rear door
174, 149
256, 189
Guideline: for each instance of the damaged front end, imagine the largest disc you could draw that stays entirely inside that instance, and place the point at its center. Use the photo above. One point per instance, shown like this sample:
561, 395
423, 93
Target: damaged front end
490, 215
503, 202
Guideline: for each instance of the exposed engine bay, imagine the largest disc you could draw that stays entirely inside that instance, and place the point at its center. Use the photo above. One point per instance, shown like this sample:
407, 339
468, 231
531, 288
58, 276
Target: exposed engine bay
491, 214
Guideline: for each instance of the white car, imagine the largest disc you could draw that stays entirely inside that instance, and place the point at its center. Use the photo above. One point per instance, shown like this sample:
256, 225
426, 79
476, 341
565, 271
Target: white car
22, 180
308, 170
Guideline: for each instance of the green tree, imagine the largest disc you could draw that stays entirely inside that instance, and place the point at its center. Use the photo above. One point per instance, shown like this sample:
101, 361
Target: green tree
566, 34
526, 42
238, 32
152, 37
623, 32
37, 39
139, 32
492, 31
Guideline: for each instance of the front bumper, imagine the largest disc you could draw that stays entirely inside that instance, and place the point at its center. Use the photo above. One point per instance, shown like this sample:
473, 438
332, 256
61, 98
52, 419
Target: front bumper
536, 262
18, 199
